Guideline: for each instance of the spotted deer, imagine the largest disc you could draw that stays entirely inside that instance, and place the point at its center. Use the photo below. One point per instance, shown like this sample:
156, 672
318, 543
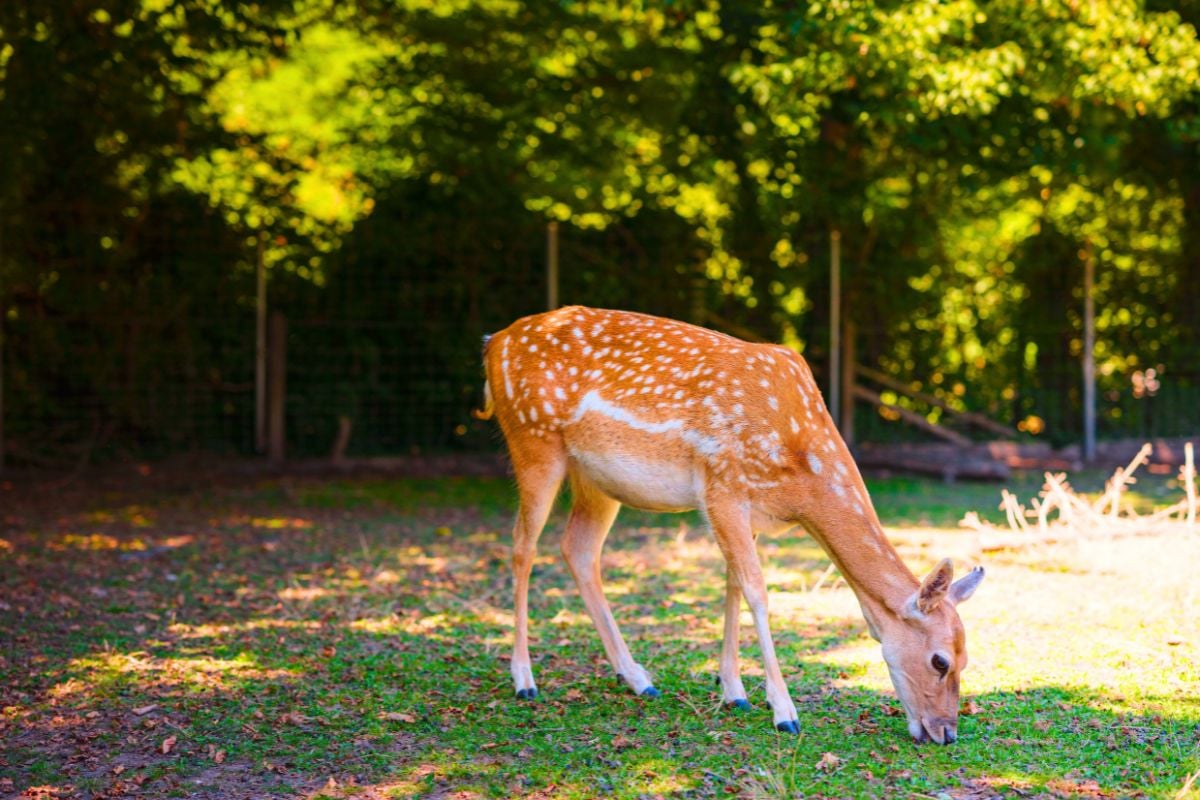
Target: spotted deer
666, 416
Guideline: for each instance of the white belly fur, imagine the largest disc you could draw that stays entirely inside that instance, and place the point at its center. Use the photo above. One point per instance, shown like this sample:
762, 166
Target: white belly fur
638, 482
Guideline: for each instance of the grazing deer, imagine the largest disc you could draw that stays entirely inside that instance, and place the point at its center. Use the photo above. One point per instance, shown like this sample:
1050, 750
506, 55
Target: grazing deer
666, 416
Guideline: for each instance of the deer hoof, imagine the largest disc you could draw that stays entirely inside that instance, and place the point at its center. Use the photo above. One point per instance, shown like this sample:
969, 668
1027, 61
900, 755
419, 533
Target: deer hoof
741, 704
788, 726
526, 694
650, 691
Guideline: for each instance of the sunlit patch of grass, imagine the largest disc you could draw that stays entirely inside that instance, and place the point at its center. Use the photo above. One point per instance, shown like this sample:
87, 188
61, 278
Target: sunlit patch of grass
135, 515
281, 523
112, 672
95, 541
372, 647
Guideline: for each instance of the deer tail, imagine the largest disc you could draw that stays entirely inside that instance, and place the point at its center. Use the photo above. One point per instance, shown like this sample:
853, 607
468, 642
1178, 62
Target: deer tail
488, 409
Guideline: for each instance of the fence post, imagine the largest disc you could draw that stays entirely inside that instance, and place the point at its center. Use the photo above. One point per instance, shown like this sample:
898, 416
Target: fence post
260, 351
848, 375
277, 388
1089, 354
699, 311
551, 266
835, 324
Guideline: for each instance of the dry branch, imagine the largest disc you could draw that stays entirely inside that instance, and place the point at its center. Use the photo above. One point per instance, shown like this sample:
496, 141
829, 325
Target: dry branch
970, 417
1079, 518
911, 417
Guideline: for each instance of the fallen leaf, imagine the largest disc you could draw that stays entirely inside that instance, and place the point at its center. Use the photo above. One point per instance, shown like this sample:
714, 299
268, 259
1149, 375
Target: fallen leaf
144, 710
397, 716
621, 742
167, 744
970, 708
219, 756
828, 762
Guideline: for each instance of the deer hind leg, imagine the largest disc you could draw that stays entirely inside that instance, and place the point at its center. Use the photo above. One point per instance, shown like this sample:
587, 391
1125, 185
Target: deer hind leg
731, 526
730, 676
540, 467
592, 516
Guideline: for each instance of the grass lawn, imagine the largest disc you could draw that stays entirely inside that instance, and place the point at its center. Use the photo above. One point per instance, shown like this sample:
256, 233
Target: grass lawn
349, 638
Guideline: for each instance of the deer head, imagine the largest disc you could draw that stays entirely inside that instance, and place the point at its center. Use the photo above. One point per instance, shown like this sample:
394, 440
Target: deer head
925, 650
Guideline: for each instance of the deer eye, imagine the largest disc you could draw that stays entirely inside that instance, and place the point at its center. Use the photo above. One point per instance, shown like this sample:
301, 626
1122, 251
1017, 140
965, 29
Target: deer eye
940, 663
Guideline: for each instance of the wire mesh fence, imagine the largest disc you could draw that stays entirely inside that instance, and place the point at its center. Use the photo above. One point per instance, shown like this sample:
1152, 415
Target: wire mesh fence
387, 350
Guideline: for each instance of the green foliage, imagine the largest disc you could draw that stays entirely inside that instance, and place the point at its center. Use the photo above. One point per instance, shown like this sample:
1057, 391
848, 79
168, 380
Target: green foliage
968, 153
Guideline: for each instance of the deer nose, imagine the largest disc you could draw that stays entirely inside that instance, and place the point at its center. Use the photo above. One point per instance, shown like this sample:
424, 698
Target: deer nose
941, 730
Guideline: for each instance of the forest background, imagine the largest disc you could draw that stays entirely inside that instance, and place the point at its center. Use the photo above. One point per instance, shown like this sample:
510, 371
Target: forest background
390, 169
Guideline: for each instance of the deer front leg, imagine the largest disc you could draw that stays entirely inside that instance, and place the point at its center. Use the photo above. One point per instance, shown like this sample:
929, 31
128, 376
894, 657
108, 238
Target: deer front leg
731, 526
732, 690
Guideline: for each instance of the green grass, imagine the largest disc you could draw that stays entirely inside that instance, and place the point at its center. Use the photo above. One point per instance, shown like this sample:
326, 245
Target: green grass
291, 632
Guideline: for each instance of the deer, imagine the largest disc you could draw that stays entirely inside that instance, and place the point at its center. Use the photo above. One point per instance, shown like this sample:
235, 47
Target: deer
667, 416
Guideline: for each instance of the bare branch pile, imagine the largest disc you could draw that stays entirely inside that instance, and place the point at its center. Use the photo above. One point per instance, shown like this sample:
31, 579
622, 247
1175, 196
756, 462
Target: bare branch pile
1078, 517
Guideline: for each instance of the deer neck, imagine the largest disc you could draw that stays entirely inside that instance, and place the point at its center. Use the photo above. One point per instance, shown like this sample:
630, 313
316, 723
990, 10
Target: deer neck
868, 563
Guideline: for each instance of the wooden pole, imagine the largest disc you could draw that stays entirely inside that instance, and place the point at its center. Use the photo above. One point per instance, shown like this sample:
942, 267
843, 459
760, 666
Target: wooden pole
260, 351
848, 359
1089, 355
552, 266
835, 323
277, 388
699, 289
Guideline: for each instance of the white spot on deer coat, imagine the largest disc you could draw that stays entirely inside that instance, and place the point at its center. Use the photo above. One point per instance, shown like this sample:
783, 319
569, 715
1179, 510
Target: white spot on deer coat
815, 463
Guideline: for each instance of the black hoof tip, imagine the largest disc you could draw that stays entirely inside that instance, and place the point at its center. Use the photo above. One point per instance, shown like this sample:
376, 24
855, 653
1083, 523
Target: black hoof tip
741, 705
791, 726
650, 691
526, 694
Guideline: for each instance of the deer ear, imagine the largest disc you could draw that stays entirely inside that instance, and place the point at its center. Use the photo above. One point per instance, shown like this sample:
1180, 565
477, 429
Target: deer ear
932, 590
964, 587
